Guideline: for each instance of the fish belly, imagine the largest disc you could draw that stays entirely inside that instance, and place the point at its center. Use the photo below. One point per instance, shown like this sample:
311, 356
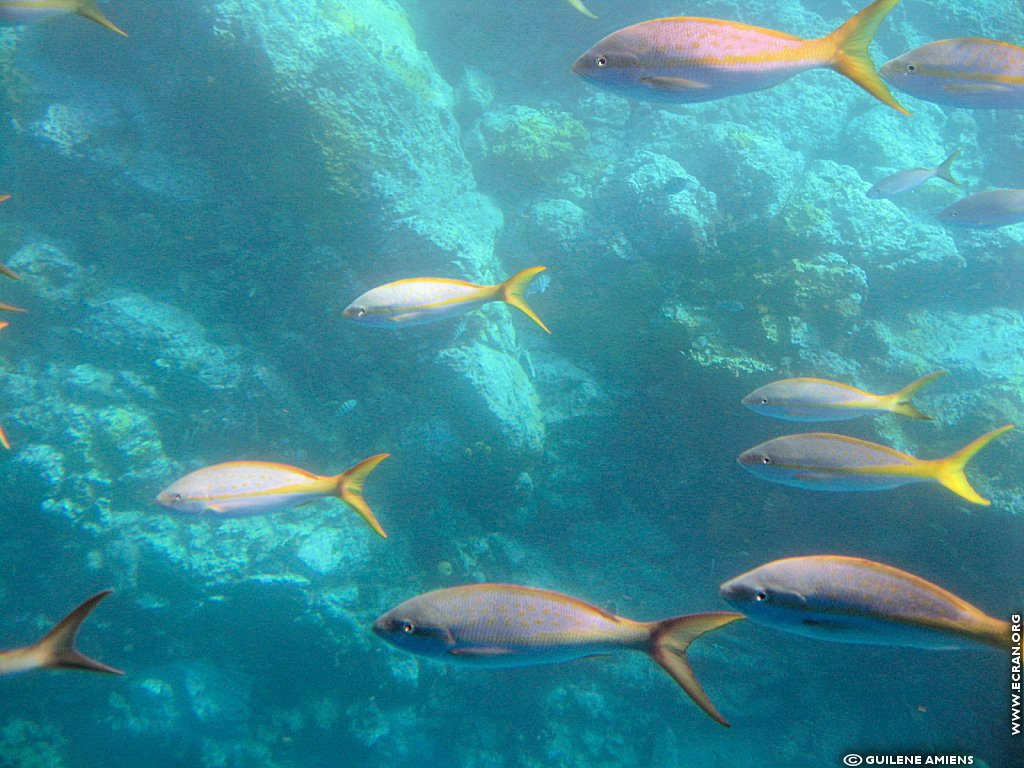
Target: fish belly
827, 479
418, 304
863, 630
819, 413
246, 506
523, 628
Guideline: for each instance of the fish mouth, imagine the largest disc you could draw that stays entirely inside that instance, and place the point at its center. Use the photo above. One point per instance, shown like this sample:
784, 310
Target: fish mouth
748, 459
729, 591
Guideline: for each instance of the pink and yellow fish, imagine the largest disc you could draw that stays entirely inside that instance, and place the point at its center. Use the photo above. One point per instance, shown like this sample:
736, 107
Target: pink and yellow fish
505, 625
823, 400
421, 300
57, 650
16, 12
689, 59
851, 600
821, 461
971, 72
241, 488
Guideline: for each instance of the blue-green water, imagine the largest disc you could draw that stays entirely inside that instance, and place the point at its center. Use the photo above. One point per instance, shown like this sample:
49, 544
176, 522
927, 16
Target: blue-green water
192, 208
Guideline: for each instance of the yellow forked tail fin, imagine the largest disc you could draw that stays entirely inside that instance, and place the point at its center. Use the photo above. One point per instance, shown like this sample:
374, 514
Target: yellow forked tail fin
90, 9
950, 470
851, 58
350, 489
899, 402
669, 641
513, 291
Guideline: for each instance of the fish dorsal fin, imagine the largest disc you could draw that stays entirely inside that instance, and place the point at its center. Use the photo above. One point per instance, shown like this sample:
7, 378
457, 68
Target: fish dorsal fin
673, 84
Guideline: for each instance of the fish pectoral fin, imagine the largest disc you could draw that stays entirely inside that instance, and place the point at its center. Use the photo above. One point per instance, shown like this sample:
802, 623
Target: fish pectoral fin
482, 652
399, 319
673, 84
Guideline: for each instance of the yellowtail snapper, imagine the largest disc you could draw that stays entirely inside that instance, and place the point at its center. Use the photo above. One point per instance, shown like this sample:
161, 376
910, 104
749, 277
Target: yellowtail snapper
240, 488
689, 59
505, 625
821, 461
850, 600
904, 181
986, 210
806, 399
420, 300
972, 72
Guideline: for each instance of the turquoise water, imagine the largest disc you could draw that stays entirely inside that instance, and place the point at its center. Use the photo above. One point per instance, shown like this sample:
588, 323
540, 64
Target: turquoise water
193, 207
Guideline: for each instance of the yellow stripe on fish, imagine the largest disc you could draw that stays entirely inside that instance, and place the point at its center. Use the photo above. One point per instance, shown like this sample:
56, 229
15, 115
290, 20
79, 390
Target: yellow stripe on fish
420, 300
692, 59
238, 488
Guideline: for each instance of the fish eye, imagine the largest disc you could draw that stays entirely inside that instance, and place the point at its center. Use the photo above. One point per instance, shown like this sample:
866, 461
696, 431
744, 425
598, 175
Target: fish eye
760, 597
766, 459
764, 401
601, 61
911, 67
176, 497
360, 311
408, 628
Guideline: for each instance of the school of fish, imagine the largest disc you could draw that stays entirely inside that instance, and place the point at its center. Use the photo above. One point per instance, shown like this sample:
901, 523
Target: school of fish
828, 597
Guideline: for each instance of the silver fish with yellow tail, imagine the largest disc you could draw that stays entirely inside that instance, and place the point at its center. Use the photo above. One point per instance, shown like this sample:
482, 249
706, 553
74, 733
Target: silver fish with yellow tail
505, 625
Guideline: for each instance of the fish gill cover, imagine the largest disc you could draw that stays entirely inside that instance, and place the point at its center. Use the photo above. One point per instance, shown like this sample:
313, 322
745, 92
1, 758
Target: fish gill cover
193, 207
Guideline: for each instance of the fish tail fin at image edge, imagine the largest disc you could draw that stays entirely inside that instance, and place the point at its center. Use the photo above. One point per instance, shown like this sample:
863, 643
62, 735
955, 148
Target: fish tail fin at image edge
57, 650
669, 641
350, 489
850, 58
513, 291
944, 170
950, 470
90, 9
901, 400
